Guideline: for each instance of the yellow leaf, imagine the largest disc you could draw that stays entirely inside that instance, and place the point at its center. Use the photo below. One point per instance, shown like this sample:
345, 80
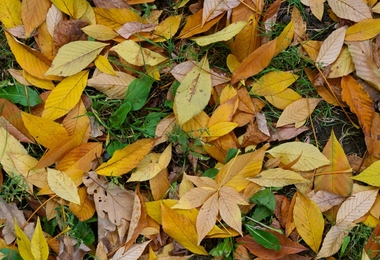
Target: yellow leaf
112, 86
181, 229
363, 30
207, 216
219, 129
284, 39
317, 7
62, 185
350, 9
160, 185
335, 177
10, 13
74, 8
40, 83
298, 111
185, 186
194, 198
371, 175
74, 57
134, 54
310, 157
65, 95
147, 168
343, 65
223, 35
86, 209
167, 28
255, 62
308, 220
229, 210
33, 13
30, 60
104, 65
23, 243
38, 244
43, 130
115, 18
273, 82
312, 48
278, 178
232, 62
283, 99
76, 120
100, 32
126, 159
331, 47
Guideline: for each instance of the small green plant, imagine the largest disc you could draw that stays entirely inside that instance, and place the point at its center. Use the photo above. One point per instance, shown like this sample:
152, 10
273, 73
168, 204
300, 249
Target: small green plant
354, 243
13, 188
224, 248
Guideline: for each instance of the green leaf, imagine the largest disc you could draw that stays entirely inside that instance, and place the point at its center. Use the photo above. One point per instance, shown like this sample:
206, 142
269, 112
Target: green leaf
211, 173
138, 92
16, 94
10, 254
118, 118
261, 212
265, 198
264, 238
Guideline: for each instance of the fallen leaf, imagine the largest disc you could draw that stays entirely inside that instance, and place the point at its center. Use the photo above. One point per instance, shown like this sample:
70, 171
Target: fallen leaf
273, 82
62, 185
38, 244
10, 13
100, 32
325, 200
86, 208
214, 8
331, 47
278, 178
133, 253
351, 9
363, 30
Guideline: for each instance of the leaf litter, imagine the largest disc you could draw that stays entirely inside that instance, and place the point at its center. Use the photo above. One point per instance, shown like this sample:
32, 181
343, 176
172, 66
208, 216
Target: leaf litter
195, 120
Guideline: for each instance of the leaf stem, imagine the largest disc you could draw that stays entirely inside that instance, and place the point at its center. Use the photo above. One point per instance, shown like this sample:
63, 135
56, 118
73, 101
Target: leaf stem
268, 227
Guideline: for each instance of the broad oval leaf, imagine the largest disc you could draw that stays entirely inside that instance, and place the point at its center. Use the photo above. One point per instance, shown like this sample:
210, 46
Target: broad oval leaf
298, 111
62, 185
207, 216
331, 47
10, 13
38, 243
126, 159
278, 178
74, 57
363, 30
308, 220
273, 82
310, 157
350, 9
100, 32
264, 238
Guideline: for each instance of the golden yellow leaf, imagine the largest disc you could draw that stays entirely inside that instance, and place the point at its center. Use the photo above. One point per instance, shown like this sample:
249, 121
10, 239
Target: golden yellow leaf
360, 103
40, 83
298, 111
331, 47
134, 54
181, 229
147, 168
86, 209
219, 129
38, 243
232, 62
255, 62
30, 60
312, 48
284, 39
62, 185
126, 159
44, 131
74, 57
350, 9
185, 186
65, 95
10, 13
104, 65
44, 41
370, 175
273, 82
100, 32
74, 8
160, 185
283, 99
167, 28
308, 220
343, 65
363, 30
223, 35
115, 18
334, 177
278, 178
33, 13
112, 86
193, 94
77, 119
23, 243
311, 158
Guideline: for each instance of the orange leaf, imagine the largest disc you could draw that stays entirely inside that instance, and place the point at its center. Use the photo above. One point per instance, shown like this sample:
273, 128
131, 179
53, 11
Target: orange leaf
33, 13
86, 209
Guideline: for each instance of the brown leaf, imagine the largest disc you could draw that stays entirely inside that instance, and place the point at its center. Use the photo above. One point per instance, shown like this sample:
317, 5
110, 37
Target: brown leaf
68, 31
285, 133
287, 247
350, 9
373, 246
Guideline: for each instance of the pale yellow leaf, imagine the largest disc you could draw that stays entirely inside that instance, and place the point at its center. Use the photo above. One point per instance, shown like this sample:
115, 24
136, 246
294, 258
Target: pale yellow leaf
147, 168
309, 221
74, 8
65, 95
343, 65
354, 10
331, 47
223, 35
363, 30
181, 228
38, 243
115, 17
74, 57
167, 28
194, 198
308, 156
100, 32
134, 252
63, 186
283, 99
126, 159
104, 65
229, 209
10, 13
131, 28
317, 7
214, 8
185, 186
44, 131
278, 178
297, 111
273, 82
371, 175
134, 54
193, 93
112, 86
207, 216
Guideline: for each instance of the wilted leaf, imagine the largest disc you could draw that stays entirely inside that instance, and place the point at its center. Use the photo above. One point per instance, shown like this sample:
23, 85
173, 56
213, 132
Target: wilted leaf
317, 7
63, 186
310, 157
308, 220
126, 159
331, 47
350, 9
278, 178
372, 246
298, 111
207, 216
